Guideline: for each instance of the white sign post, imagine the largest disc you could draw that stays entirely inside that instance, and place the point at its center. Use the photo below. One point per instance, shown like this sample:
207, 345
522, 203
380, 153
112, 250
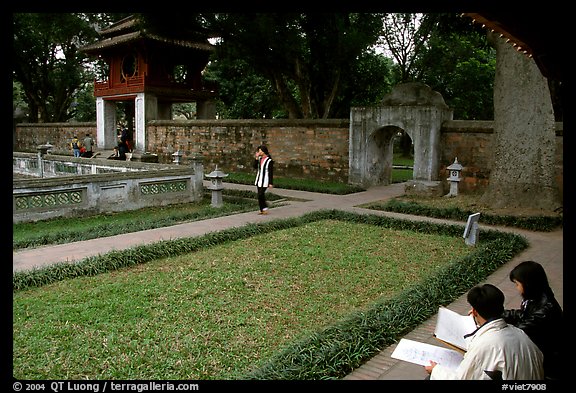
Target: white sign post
472, 229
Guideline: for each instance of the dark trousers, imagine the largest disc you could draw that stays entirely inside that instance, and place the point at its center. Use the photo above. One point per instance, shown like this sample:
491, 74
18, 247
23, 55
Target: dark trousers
262, 198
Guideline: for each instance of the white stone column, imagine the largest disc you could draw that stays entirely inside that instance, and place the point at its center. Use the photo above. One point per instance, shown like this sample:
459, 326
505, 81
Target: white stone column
139, 123
105, 124
145, 108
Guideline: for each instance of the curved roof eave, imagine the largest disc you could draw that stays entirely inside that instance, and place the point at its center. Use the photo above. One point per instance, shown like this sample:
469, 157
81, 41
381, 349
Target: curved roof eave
116, 41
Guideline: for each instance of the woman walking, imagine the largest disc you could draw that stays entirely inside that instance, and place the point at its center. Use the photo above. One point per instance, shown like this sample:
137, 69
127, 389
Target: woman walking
264, 176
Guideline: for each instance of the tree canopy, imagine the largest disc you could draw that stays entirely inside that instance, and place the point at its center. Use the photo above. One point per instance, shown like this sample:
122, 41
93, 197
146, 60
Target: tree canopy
47, 62
283, 65
304, 58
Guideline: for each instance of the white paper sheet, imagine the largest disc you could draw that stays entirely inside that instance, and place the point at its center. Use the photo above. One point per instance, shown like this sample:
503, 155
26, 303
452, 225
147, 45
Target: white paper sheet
451, 327
421, 353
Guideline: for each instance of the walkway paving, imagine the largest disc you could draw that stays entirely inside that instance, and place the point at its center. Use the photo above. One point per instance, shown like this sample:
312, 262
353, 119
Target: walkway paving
545, 248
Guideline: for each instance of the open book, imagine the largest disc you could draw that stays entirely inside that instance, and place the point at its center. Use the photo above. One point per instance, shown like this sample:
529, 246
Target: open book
450, 329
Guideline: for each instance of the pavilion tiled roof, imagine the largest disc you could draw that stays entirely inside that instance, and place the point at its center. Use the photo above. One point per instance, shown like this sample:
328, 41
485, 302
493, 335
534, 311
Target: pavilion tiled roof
123, 32
139, 35
123, 25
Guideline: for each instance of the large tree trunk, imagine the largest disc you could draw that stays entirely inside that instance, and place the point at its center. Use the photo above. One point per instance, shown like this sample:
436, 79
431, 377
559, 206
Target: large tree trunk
285, 97
524, 146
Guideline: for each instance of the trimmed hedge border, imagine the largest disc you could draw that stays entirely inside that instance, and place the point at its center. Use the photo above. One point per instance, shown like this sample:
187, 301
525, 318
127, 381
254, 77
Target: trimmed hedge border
337, 350
532, 223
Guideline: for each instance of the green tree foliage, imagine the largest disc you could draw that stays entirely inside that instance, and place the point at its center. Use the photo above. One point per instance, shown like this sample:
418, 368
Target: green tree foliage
185, 109
369, 80
469, 91
303, 59
448, 53
243, 93
47, 62
459, 63
84, 105
18, 103
268, 65
404, 36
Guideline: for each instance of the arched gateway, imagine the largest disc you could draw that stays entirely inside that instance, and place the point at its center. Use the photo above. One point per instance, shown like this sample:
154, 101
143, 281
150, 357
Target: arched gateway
412, 107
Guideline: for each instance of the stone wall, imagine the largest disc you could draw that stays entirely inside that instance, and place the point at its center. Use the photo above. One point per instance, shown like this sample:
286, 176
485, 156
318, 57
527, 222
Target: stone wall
300, 148
27, 135
471, 143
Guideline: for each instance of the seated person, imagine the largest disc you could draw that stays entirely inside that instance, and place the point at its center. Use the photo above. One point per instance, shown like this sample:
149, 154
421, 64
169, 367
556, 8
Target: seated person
496, 350
84, 153
118, 154
539, 315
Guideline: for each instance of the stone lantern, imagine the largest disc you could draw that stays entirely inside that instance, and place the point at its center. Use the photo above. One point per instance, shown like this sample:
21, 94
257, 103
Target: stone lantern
177, 157
454, 178
216, 177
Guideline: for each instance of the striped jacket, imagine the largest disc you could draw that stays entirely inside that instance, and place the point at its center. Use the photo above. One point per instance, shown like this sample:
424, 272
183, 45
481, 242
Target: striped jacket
264, 175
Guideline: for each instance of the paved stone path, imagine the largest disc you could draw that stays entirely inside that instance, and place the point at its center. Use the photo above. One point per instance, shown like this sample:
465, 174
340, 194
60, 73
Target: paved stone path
545, 248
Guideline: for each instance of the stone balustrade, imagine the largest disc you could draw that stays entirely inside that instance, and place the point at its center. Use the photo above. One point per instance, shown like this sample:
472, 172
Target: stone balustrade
75, 187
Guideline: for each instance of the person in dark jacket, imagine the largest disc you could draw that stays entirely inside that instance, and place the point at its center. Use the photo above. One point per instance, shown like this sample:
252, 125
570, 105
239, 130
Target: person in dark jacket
540, 314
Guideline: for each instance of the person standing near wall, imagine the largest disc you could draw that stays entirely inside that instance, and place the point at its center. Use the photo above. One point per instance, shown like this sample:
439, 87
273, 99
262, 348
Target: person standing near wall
126, 140
88, 143
75, 146
264, 176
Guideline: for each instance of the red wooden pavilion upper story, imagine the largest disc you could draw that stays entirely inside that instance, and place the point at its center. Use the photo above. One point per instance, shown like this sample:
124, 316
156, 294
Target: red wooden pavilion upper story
151, 71
140, 61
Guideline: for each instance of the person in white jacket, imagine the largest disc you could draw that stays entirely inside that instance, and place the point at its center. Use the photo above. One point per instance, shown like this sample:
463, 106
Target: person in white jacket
264, 165
496, 350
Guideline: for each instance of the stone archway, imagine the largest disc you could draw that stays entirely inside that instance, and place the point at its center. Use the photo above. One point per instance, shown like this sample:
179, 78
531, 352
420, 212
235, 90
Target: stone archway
412, 107
379, 153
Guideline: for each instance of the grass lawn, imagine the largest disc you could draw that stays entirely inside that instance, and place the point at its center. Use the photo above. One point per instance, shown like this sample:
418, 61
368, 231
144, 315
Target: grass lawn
219, 312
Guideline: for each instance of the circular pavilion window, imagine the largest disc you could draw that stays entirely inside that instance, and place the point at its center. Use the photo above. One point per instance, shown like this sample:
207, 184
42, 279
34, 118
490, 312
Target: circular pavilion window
129, 66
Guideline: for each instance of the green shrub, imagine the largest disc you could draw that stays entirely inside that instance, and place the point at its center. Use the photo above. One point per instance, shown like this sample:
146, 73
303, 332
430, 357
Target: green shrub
535, 223
311, 185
